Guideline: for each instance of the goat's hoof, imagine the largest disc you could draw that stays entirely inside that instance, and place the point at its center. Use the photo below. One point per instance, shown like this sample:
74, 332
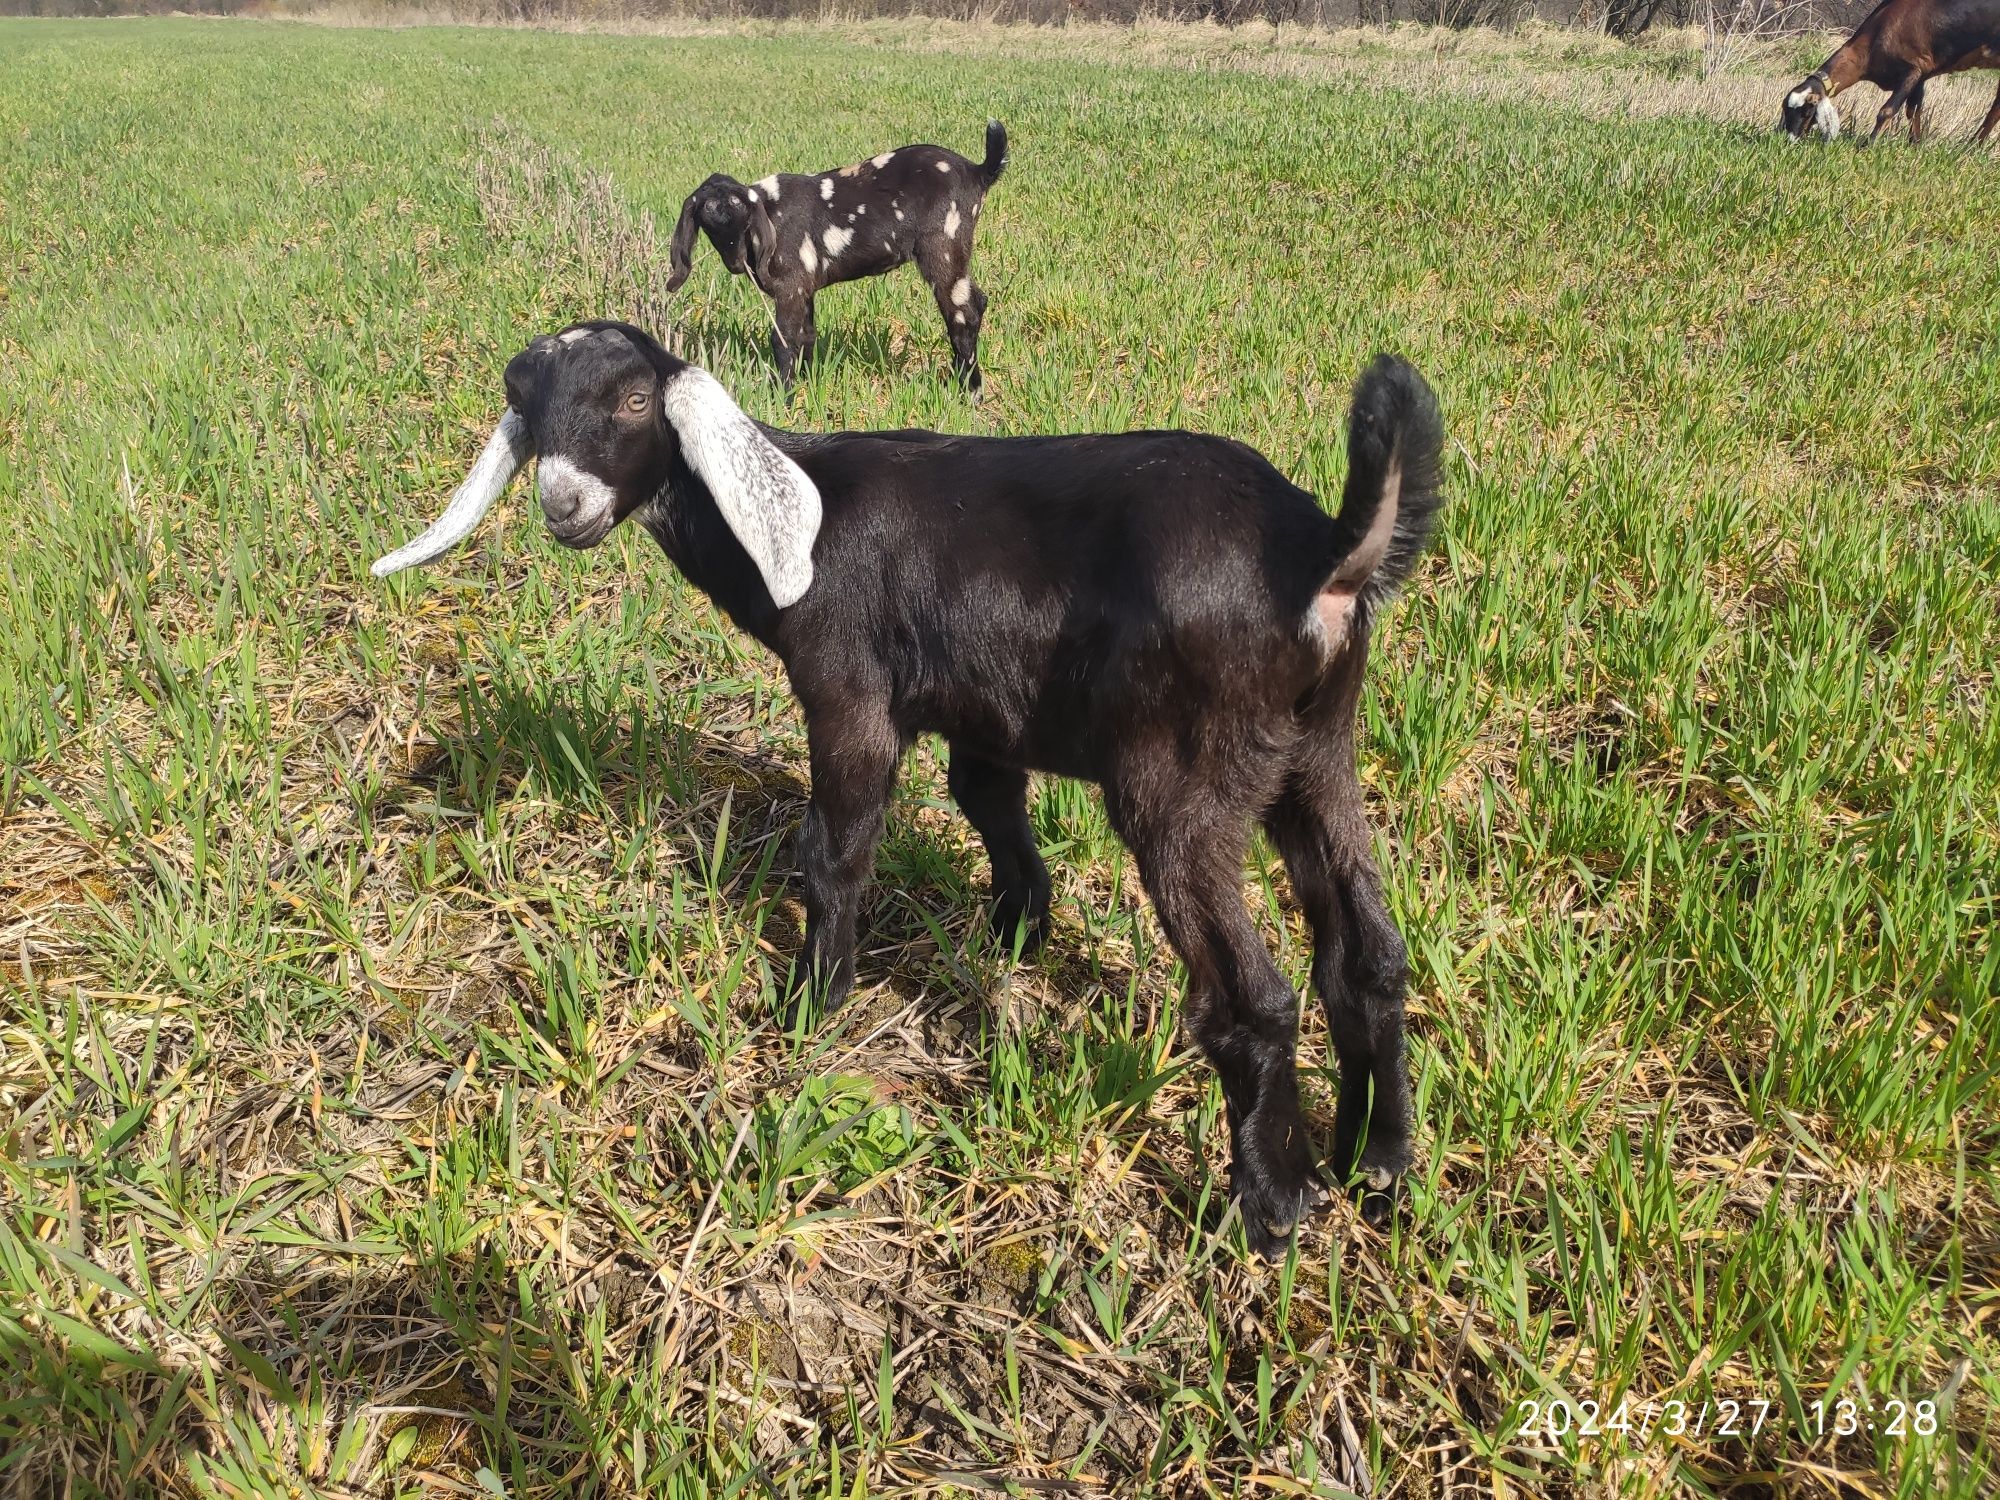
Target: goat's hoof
1375, 1194
1019, 929
1269, 1229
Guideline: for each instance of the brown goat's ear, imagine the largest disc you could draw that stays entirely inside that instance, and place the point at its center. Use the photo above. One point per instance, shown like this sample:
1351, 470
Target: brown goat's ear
681, 252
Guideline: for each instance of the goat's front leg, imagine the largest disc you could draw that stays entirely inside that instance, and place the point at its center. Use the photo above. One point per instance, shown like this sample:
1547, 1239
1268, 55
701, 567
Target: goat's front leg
994, 799
1893, 105
792, 334
854, 755
1239, 1006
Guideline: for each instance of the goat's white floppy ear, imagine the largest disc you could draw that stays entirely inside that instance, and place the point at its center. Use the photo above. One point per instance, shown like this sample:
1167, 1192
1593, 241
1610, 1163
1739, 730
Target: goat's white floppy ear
766, 498
1828, 119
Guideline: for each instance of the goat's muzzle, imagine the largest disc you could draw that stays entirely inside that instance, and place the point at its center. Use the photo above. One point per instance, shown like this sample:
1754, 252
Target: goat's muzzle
506, 451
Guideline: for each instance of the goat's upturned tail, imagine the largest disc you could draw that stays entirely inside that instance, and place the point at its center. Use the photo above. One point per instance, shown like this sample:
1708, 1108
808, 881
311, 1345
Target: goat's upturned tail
996, 153
1395, 451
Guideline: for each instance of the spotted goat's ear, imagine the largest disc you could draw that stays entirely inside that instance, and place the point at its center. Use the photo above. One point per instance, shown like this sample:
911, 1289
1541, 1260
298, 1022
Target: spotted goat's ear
769, 503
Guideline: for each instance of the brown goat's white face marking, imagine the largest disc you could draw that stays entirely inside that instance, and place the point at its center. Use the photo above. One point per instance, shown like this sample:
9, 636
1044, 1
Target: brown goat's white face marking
961, 291
951, 220
808, 257
1795, 98
826, 190
837, 240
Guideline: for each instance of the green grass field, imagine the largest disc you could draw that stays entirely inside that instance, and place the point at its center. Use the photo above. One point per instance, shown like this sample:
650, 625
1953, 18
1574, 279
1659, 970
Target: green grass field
389, 1096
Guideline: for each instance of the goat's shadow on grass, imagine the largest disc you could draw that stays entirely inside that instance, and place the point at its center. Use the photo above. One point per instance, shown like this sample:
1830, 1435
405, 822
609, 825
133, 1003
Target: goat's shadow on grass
612, 759
734, 348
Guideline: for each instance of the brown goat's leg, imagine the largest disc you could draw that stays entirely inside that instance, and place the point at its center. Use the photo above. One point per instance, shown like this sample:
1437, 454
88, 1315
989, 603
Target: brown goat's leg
1239, 1007
1894, 104
960, 301
994, 799
854, 755
1915, 109
792, 335
1992, 119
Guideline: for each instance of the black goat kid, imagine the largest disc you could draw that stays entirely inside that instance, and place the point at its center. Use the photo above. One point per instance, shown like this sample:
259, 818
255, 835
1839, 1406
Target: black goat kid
794, 233
1159, 612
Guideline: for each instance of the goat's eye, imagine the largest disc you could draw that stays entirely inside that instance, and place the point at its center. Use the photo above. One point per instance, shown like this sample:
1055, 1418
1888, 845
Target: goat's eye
637, 401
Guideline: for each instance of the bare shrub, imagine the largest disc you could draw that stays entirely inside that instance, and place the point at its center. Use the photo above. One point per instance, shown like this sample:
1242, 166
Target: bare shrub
1730, 28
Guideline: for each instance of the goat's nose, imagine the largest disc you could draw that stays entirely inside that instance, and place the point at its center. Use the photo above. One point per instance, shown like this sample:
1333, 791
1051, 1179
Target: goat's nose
559, 501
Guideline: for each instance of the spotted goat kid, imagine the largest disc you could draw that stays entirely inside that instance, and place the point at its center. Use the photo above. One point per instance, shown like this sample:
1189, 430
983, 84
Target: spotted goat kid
794, 233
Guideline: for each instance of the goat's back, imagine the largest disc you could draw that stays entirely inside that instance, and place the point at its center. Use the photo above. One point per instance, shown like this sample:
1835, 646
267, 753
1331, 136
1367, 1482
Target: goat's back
1019, 591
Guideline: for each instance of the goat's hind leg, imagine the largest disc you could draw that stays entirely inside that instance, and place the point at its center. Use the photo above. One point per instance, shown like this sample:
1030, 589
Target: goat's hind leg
1992, 119
1359, 967
994, 799
1239, 1007
961, 303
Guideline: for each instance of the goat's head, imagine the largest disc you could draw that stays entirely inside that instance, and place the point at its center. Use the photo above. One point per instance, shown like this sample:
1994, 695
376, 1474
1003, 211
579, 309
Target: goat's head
606, 412
733, 218
1808, 108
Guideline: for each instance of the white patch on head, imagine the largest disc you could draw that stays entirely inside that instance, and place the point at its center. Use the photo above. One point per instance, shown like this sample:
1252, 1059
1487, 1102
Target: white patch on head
1795, 98
767, 500
944, 166
808, 257
563, 487
826, 190
878, 162
837, 240
770, 186
1828, 119
951, 220
961, 291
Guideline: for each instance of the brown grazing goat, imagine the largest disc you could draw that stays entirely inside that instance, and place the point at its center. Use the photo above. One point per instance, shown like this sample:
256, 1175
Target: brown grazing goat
1902, 46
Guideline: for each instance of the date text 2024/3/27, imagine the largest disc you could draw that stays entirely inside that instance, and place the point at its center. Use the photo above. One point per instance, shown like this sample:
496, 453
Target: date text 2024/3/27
1637, 1420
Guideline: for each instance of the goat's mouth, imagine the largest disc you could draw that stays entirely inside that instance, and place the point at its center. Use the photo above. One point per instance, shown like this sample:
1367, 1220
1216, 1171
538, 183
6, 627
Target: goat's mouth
578, 508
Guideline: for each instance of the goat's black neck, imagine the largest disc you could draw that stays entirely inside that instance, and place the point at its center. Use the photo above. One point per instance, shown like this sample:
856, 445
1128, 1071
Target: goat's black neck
684, 519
